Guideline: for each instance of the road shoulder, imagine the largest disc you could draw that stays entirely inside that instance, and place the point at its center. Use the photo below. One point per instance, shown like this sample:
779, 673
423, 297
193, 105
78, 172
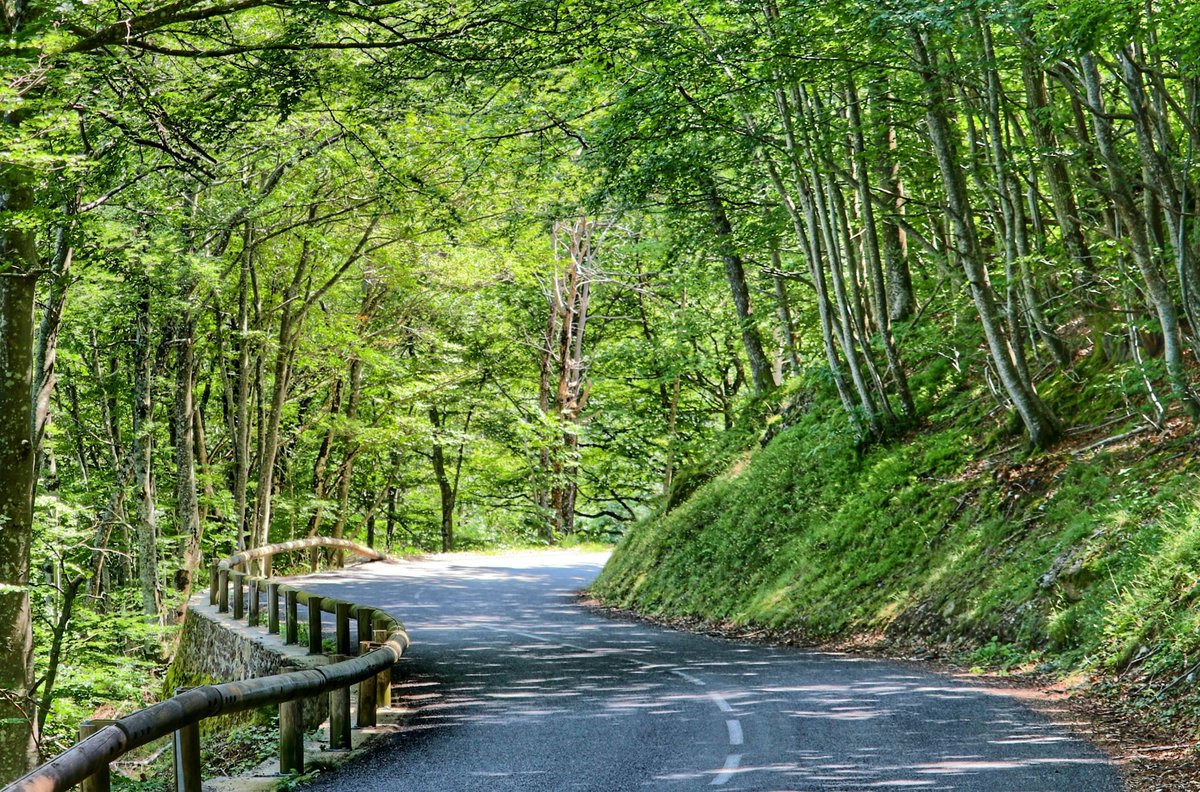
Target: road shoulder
1151, 758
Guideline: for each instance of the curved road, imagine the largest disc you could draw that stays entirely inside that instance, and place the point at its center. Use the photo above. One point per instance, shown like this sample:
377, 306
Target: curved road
513, 686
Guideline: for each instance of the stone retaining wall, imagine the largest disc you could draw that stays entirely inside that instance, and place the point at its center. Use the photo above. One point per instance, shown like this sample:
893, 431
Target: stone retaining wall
214, 648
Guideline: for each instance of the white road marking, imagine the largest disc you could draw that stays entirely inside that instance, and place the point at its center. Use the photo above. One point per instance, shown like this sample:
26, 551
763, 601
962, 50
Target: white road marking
733, 725
688, 677
732, 762
720, 701
539, 638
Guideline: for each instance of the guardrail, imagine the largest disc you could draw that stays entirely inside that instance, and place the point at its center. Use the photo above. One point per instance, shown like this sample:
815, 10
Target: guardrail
88, 760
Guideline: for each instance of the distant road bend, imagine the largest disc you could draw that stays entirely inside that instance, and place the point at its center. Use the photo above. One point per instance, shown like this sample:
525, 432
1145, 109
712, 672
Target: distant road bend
515, 687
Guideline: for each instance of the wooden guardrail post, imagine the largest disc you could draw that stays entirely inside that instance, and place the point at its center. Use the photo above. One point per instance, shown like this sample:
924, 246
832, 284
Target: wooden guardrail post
101, 780
291, 736
266, 566
273, 608
383, 688
365, 624
339, 714
239, 605
291, 632
223, 590
186, 742
314, 625
253, 617
342, 611
368, 693
214, 577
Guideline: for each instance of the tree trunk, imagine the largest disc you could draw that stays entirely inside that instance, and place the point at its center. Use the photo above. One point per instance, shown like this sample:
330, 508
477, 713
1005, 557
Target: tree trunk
873, 259
53, 662
187, 507
241, 428
1062, 195
545, 476
443, 481
844, 322
901, 301
282, 370
346, 472
1154, 150
1040, 424
321, 465
1138, 235
46, 355
804, 226
143, 432
735, 274
17, 460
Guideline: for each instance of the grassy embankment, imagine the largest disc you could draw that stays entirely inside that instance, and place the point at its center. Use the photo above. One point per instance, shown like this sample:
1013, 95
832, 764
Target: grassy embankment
950, 537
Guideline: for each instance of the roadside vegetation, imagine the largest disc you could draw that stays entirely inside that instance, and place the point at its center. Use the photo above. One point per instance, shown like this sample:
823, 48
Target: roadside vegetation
950, 540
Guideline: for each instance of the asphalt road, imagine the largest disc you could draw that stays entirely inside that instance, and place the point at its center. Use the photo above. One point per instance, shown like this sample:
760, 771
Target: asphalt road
513, 686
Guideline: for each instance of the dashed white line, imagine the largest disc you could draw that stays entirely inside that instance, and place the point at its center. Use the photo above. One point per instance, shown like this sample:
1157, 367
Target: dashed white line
732, 763
689, 677
720, 701
732, 725
538, 638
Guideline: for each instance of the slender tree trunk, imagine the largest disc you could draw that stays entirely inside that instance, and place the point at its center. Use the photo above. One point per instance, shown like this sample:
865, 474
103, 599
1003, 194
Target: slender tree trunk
443, 481
352, 447
1062, 194
833, 254
1040, 424
202, 463
321, 465
902, 303
54, 661
390, 524
241, 428
143, 432
46, 355
735, 274
187, 507
804, 226
1154, 149
854, 316
290, 320
783, 307
545, 481
873, 258
1021, 300
1136, 231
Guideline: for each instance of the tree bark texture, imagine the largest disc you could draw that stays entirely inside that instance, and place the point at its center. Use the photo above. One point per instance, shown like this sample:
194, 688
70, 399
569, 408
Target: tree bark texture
735, 274
17, 458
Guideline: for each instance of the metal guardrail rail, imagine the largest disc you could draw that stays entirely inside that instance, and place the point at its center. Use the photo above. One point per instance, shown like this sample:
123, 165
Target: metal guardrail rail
87, 761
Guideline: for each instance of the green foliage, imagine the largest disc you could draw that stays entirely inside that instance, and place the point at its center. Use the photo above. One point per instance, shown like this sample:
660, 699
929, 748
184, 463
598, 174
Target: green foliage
235, 751
216, 170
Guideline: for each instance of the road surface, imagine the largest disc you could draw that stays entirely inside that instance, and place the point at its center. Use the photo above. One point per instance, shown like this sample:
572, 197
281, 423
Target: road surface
513, 686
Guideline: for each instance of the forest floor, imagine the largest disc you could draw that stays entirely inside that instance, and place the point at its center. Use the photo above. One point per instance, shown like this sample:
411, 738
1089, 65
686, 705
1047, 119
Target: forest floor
1152, 756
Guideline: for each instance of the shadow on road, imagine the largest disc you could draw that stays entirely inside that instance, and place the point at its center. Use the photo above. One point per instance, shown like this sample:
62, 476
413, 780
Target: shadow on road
513, 686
